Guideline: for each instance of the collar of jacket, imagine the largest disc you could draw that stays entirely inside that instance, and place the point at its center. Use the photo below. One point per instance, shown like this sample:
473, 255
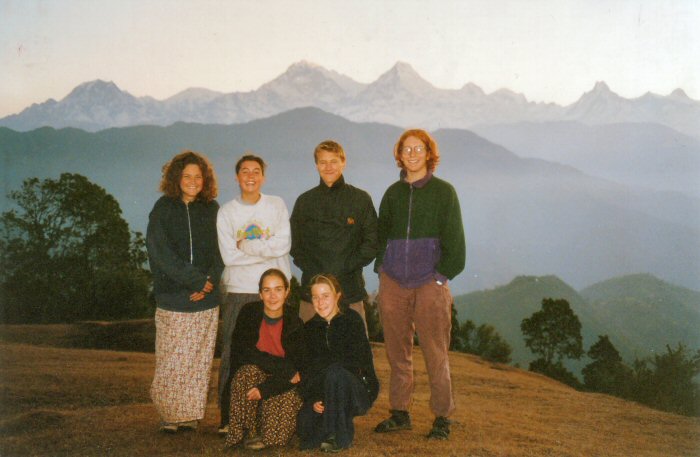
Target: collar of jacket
196, 201
289, 323
336, 185
319, 321
418, 184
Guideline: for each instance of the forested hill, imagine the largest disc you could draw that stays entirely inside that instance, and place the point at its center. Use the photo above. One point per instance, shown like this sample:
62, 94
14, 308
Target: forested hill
640, 313
644, 309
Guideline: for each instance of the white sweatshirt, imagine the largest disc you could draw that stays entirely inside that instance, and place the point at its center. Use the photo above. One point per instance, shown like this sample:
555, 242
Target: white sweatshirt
266, 240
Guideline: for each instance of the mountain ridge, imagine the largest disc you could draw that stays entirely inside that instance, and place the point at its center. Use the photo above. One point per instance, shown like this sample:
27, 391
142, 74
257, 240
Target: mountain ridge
392, 99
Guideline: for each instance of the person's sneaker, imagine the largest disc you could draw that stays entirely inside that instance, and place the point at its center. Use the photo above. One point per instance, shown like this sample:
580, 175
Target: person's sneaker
254, 443
223, 430
441, 429
188, 425
168, 427
399, 420
330, 445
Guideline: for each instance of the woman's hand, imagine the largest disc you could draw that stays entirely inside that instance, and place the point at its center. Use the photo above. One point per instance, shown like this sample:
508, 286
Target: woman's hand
296, 378
196, 296
208, 287
318, 407
253, 394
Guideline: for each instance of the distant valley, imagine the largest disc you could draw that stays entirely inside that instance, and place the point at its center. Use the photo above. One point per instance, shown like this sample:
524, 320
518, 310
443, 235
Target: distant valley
521, 215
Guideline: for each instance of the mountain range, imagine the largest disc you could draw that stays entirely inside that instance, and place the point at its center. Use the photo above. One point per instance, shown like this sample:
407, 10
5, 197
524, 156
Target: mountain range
522, 216
398, 97
640, 313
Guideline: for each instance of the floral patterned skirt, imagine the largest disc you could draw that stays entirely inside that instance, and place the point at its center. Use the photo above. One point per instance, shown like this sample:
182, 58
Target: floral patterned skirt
184, 354
273, 419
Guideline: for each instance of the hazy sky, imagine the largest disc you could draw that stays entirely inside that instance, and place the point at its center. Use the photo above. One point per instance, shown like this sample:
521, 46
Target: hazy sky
547, 50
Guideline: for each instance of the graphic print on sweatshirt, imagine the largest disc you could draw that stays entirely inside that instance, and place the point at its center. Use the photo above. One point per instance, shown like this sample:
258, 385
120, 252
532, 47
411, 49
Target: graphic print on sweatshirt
253, 231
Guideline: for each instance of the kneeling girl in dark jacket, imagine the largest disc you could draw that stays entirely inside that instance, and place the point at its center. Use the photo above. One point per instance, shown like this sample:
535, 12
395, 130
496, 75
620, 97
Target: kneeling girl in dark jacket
268, 358
339, 382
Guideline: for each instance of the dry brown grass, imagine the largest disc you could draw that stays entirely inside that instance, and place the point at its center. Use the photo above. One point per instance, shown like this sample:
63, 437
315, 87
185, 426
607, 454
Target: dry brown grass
78, 402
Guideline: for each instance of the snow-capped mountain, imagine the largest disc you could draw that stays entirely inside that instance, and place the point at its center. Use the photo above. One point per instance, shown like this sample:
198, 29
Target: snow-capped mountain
90, 106
400, 97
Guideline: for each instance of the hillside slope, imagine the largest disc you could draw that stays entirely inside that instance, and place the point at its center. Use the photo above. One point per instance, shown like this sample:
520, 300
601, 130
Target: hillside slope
505, 307
69, 402
647, 311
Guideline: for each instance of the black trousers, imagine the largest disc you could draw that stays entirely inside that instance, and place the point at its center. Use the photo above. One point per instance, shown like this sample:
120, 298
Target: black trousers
345, 397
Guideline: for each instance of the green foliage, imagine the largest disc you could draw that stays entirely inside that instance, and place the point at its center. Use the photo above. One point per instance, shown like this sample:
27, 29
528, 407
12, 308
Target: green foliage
555, 370
554, 332
645, 313
607, 373
483, 341
667, 381
506, 306
67, 254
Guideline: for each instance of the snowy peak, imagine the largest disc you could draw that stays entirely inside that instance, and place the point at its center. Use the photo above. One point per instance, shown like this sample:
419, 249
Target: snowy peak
600, 91
194, 94
508, 96
471, 90
97, 91
304, 77
402, 76
679, 95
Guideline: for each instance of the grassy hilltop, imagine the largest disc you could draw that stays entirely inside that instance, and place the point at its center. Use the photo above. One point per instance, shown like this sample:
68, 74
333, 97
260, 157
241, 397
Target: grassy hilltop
67, 401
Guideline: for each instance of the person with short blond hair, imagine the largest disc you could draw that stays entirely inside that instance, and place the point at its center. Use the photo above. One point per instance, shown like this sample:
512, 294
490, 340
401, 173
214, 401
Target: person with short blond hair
334, 230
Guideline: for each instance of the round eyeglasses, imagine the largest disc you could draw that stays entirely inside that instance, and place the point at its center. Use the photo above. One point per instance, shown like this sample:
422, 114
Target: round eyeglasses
406, 150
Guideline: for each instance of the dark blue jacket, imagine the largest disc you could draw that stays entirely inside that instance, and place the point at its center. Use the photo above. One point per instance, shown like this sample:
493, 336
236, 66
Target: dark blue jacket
183, 252
342, 341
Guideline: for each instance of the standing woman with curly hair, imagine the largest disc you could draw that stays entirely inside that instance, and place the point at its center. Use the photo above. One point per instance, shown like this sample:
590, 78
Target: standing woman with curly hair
184, 257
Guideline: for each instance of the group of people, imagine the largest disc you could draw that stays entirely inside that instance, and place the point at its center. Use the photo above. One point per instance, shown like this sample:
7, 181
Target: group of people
311, 372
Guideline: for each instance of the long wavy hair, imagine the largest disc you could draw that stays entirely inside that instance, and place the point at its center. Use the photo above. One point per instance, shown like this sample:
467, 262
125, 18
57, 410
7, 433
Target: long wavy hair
433, 158
172, 173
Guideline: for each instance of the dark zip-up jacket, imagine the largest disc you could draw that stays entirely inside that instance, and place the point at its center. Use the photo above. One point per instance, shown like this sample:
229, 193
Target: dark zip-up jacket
421, 237
183, 252
281, 369
342, 341
334, 230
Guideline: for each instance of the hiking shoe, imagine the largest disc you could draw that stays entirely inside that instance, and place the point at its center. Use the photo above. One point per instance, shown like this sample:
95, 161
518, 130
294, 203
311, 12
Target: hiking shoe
441, 429
223, 430
254, 443
399, 420
167, 427
330, 445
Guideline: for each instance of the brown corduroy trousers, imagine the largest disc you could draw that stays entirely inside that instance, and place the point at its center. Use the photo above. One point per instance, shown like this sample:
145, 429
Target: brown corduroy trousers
427, 311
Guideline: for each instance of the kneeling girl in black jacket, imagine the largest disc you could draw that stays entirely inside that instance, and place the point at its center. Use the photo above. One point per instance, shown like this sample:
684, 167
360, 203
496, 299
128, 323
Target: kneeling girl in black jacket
339, 382
267, 361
